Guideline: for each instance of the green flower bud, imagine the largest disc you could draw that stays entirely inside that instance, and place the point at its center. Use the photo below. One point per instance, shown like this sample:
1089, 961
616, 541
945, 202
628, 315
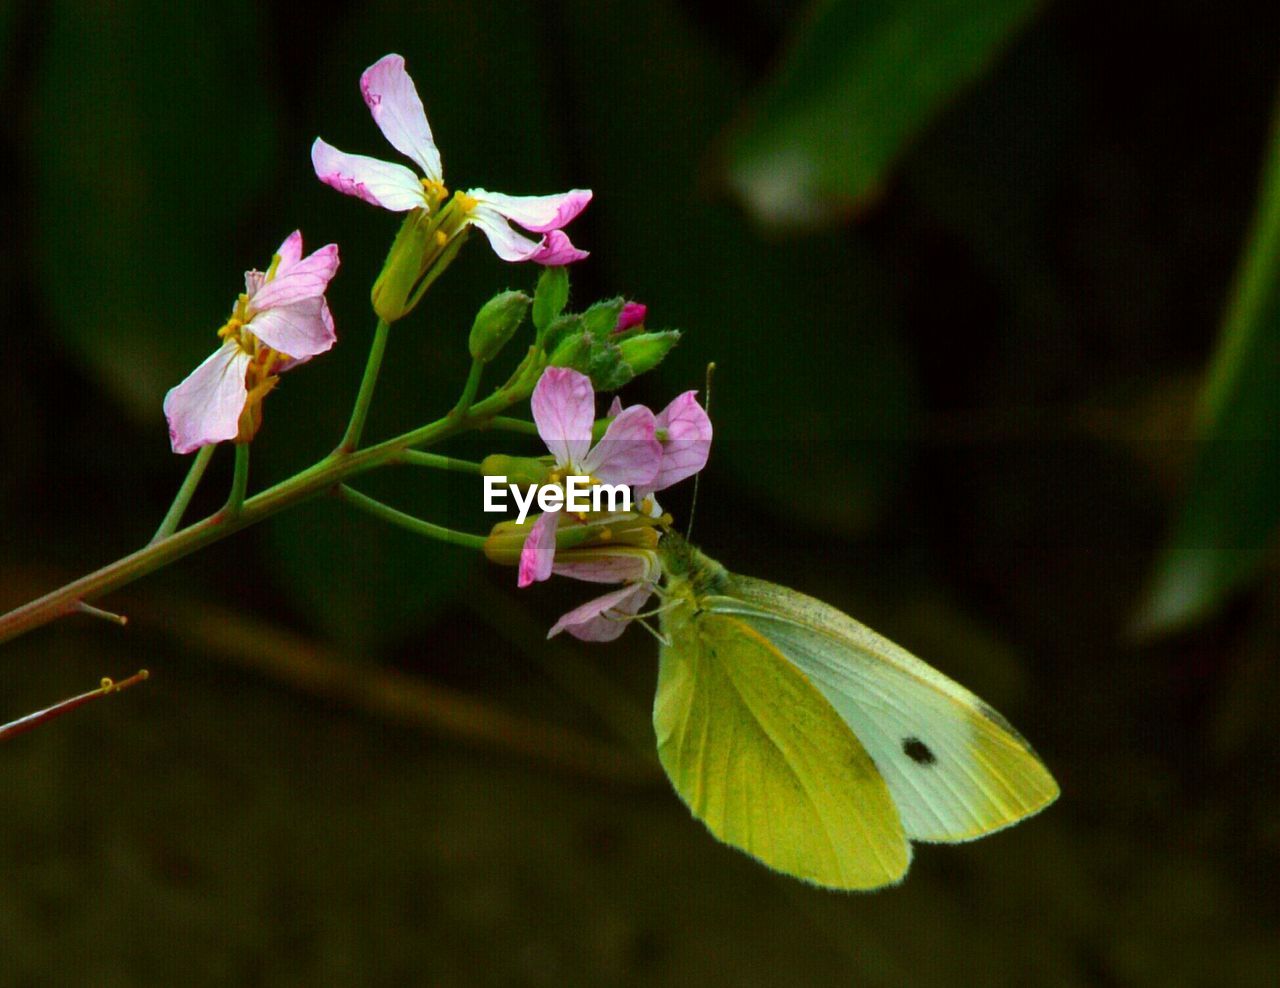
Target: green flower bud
403, 267
550, 297
601, 319
495, 324
645, 351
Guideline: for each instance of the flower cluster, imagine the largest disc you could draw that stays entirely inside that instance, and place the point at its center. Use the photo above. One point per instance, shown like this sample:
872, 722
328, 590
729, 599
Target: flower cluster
647, 452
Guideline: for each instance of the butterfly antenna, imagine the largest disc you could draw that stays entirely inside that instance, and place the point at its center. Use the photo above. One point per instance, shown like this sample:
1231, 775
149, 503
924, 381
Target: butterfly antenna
688, 531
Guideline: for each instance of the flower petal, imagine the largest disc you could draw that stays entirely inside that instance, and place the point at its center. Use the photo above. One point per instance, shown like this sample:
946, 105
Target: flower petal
688, 440
564, 408
628, 453
302, 279
380, 183
538, 214
539, 550
289, 252
604, 618
205, 408
393, 100
298, 330
609, 564
506, 242
557, 250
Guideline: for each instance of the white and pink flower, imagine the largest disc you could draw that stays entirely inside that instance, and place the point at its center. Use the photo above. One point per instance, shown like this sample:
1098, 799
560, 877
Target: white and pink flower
628, 453
604, 618
393, 101
280, 321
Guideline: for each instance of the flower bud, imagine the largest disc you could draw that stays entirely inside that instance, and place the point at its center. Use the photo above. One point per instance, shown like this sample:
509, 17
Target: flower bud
495, 324
403, 267
550, 297
645, 351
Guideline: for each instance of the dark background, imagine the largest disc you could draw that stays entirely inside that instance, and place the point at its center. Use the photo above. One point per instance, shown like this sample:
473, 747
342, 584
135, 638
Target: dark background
958, 385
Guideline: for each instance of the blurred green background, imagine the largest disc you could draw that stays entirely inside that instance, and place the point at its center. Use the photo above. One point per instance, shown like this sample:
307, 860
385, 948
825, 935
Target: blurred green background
996, 282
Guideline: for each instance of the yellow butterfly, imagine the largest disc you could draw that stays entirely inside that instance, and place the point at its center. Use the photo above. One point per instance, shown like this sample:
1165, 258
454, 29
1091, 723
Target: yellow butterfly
814, 744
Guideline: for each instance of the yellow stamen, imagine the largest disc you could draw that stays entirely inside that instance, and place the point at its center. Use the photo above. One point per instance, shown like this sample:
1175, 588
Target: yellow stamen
441, 238
465, 202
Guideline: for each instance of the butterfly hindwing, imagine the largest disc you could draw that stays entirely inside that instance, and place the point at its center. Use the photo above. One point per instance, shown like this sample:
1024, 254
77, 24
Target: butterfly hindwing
766, 762
955, 768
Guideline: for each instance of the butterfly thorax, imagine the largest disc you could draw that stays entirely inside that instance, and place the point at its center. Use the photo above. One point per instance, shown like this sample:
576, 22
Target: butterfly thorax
689, 575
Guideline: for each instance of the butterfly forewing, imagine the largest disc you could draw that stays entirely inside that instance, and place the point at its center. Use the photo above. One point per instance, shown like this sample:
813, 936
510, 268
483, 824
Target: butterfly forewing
955, 768
766, 762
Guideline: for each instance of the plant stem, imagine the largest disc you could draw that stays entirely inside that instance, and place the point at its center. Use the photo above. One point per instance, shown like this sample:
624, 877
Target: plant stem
416, 525
334, 469
365, 396
239, 482
469, 390
176, 510
507, 424
416, 458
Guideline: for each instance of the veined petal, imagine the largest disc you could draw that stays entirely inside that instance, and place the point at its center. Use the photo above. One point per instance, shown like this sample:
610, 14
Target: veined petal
557, 250
628, 453
300, 329
600, 564
302, 279
393, 100
564, 408
381, 183
539, 550
506, 242
205, 408
688, 440
538, 214
326, 317
290, 251
604, 618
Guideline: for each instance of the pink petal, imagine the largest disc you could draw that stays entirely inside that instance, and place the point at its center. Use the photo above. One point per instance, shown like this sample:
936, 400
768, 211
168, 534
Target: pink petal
302, 329
506, 242
628, 453
564, 408
615, 407
393, 100
604, 618
608, 565
302, 279
326, 317
290, 252
380, 183
538, 214
253, 280
688, 441
556, 250
205, 408
632, 314
539, 550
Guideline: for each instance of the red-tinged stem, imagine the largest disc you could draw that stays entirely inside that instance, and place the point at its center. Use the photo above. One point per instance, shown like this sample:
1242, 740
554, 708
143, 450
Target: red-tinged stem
32, 721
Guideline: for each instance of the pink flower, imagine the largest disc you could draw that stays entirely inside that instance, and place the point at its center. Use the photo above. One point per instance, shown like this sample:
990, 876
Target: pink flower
632, 315
393, 100
280, 321
564, 410
604, 618
683, 430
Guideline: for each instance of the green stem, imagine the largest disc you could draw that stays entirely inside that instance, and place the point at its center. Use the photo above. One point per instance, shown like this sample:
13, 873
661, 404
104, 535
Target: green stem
176, 510
513, 425
469, 390
365, 396
334, 469
416, 525
417, 458
239, 483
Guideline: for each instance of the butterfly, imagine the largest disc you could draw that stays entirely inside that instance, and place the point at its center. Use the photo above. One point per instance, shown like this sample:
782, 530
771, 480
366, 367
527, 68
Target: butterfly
815, 745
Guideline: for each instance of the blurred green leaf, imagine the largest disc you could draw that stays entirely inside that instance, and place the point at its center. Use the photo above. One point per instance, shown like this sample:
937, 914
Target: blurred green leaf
861, 79
813, 387
145, 165
1228, 521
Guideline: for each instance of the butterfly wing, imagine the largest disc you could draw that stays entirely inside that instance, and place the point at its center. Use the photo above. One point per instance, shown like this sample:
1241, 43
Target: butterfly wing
764, 761
955, 768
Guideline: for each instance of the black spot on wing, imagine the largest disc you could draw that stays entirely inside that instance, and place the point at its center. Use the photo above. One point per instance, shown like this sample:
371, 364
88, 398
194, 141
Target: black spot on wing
918, 751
